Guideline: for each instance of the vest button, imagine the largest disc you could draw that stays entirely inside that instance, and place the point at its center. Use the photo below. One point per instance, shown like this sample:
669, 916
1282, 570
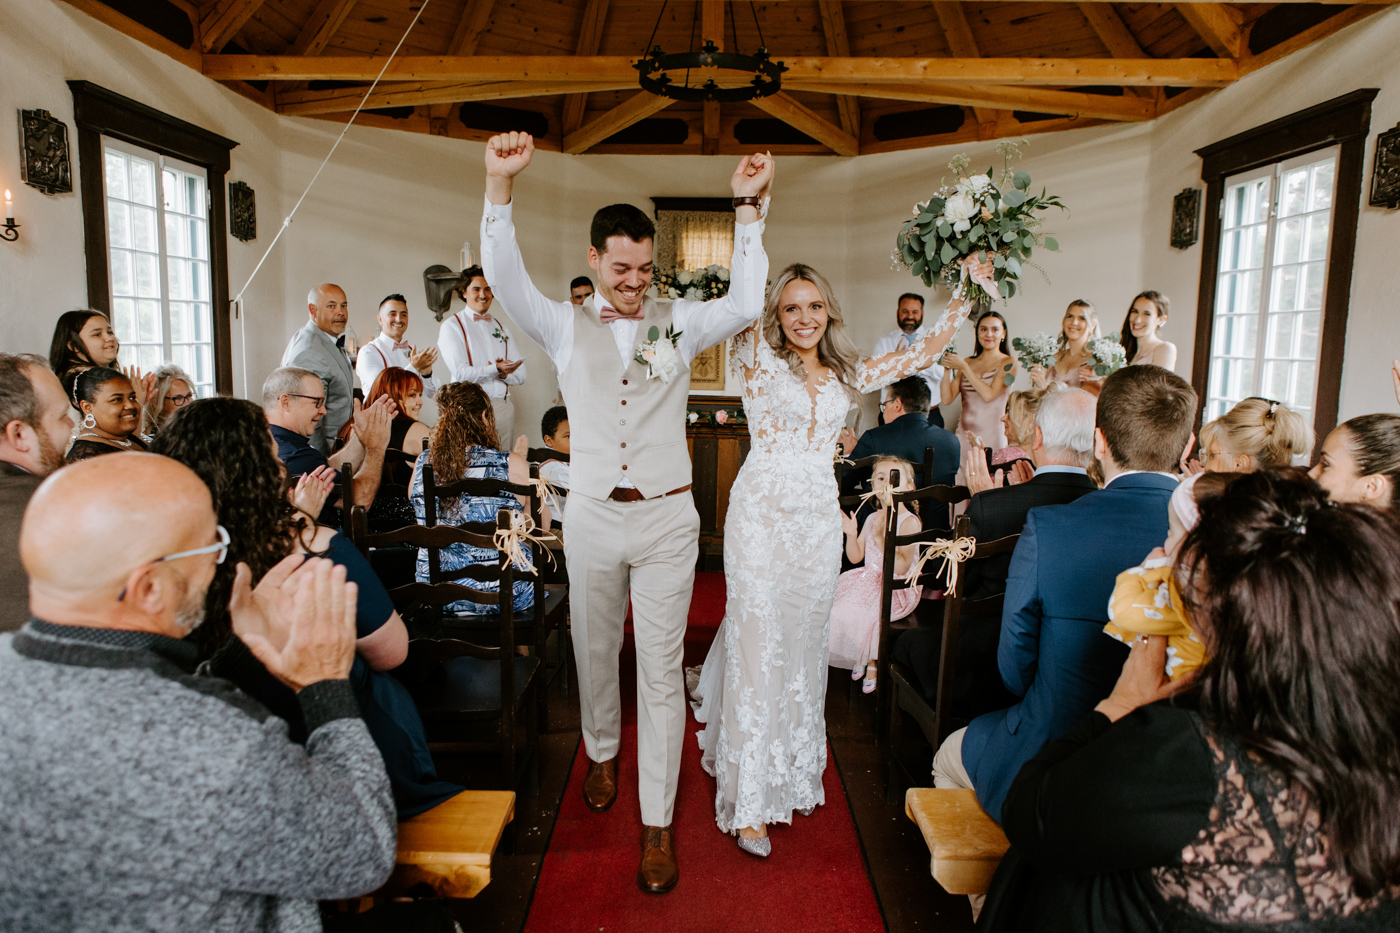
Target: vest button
624, 443
624, 401
623, 421
624, 382
624, 466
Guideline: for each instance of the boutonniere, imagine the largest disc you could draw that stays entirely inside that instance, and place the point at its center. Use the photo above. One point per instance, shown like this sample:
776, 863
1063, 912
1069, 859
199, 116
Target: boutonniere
501, 335
659, 354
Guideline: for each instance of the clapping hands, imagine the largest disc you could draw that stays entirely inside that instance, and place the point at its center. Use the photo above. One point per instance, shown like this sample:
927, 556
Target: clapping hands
312, 490
299, 621
422, 360
372, 423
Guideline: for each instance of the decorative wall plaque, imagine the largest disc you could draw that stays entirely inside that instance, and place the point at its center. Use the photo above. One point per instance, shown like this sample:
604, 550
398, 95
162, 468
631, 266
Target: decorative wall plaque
1385, 172
43, 141
242, 211
1186, 218
707, 370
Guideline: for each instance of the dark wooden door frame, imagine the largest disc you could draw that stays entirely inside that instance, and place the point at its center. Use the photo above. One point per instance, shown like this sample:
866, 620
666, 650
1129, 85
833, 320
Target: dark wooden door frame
1344, 120
98, 112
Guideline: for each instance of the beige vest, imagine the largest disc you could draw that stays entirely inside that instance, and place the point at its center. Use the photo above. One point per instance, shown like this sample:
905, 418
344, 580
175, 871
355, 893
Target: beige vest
621, 423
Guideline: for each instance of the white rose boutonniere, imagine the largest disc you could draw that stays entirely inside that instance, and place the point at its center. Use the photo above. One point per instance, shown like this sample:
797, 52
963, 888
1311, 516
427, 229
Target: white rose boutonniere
659, 354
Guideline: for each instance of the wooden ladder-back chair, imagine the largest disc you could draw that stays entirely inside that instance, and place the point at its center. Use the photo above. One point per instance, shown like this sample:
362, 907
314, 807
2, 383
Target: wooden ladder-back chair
457, 682
902, 686
919, 501
532, 626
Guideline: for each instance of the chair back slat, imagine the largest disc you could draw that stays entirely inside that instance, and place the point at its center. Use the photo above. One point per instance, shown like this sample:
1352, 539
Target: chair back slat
545, 454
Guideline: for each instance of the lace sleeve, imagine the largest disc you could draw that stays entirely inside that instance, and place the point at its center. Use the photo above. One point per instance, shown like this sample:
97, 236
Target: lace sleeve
744, 351
880, 371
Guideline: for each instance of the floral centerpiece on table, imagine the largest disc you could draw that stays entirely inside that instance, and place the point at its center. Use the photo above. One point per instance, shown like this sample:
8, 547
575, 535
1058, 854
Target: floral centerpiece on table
1109, 355
1037, 350
975, 215
692, 284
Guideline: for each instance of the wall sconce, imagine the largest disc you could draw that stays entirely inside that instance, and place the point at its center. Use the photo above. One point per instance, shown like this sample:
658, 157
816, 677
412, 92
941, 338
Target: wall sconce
11, 229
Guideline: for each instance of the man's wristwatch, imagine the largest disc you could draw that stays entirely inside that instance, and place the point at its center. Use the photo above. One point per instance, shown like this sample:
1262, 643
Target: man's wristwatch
756, 202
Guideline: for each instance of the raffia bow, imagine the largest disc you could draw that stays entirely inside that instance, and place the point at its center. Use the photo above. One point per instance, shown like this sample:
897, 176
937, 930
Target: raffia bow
883, 496
952, 551
512, 542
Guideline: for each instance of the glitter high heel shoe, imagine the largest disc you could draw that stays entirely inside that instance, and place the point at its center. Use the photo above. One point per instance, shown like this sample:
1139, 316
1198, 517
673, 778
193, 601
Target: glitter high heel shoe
759, 847
806, 811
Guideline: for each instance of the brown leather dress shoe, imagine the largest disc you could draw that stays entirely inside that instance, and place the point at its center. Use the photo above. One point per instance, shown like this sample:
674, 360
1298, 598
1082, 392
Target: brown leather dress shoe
658, 872
600, 784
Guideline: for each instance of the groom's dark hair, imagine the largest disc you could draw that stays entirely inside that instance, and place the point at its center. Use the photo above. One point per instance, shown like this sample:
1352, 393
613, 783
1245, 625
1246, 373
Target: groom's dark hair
620, 220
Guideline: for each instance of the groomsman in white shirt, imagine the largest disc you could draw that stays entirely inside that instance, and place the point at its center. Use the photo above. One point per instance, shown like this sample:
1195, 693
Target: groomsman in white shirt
476, 347
579, 290
910, 318
390, 349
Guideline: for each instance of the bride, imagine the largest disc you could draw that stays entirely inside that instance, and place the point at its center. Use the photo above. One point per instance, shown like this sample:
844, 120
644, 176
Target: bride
763, 685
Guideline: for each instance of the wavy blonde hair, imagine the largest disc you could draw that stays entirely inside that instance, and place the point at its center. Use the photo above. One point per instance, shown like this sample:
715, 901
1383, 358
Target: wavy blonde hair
835, 349
465, 419
1269, 433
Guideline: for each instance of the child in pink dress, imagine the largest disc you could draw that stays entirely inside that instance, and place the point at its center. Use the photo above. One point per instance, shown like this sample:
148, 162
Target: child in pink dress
855, 614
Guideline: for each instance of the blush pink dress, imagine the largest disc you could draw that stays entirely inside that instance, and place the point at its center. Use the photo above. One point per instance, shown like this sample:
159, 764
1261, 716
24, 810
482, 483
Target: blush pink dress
855, 612
981, 417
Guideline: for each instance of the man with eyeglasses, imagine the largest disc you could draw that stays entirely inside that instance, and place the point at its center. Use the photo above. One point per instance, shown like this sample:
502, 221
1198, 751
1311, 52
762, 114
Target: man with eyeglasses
138, 793
295, 405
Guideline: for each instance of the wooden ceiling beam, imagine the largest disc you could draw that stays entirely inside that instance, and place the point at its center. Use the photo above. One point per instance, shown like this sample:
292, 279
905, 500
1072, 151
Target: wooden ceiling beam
1216, 25
998, 97
221, 22
795, 115
958, 33
476, 18
838, 45
589, 38
1060, 72
134, 30
318, 29
635, 108
446, 93
1112, 31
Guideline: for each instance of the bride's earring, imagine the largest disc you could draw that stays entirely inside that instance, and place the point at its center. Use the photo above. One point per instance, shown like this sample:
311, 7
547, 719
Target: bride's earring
89, 421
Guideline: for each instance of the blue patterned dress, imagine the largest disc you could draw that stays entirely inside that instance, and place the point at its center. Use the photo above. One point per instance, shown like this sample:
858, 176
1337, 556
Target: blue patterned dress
482, 463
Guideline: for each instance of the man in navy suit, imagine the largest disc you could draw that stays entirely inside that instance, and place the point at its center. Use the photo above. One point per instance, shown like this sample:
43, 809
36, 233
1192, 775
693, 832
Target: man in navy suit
907, 433
1053, 652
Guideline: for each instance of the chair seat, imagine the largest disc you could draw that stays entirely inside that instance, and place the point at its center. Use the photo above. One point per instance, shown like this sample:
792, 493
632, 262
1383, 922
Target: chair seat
449, 847
967, 845
553, 597
470, 685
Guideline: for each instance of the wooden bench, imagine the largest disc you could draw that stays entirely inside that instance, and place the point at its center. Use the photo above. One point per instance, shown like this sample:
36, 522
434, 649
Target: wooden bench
966, 843
449, 847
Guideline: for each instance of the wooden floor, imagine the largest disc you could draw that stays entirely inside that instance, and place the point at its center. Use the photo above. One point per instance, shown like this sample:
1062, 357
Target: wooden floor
895, 855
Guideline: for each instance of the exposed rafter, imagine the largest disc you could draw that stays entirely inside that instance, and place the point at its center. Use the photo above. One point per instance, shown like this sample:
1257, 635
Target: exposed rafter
476, 16
997, 97
797, 116
1217, 24
445, 93
838, 45
317, 31
637, 107
958, 33
220, 23
595, 15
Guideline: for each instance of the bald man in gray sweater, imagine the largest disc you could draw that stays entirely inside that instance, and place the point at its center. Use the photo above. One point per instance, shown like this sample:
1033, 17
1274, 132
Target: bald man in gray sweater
138, 794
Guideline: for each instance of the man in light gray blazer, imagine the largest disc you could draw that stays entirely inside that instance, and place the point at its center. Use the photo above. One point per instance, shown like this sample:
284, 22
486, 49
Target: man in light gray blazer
316, 347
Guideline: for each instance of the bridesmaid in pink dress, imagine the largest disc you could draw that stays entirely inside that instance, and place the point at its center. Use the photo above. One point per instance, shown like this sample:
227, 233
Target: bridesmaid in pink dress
1073, 361
854, 637
981, 381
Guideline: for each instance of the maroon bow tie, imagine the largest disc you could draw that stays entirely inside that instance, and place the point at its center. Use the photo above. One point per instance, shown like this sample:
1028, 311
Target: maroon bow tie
482, 317
402, 346
608, 315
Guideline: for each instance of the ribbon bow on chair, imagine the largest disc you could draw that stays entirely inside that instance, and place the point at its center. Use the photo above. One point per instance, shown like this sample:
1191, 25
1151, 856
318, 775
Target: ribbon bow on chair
511, 541
953, 551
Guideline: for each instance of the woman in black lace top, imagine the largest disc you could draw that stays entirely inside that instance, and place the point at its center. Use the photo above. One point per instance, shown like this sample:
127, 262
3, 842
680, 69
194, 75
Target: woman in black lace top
1268, 796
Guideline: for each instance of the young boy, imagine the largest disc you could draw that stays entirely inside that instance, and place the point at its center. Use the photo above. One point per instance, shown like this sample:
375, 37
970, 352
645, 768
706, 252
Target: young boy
555, 429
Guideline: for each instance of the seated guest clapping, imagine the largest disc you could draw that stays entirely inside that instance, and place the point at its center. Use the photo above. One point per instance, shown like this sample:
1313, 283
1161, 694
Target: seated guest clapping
1361, 461
1052, 651
173, 389
1264, 797
406, 434
1062, 447
110, 412
138, 793
1255, 435
906, 434
554, 428
465, 445
225, 442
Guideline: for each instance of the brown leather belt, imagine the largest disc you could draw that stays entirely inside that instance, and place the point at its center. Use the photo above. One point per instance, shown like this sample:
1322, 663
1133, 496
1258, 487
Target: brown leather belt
633, 494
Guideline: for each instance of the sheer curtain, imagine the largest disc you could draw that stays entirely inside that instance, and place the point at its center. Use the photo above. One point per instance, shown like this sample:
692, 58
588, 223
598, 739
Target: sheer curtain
694, 239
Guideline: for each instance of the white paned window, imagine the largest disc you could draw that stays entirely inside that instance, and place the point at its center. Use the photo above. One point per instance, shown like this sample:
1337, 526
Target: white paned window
1276, 226
158, 249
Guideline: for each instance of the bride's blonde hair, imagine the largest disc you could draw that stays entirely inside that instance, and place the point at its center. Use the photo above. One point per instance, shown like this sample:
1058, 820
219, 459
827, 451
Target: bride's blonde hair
835, 349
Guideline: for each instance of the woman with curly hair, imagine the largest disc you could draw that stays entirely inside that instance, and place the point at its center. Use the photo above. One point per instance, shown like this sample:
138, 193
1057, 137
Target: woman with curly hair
1265, 797
227, 443
465, 444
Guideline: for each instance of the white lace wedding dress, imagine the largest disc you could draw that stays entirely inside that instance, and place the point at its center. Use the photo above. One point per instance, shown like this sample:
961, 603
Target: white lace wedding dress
763, 686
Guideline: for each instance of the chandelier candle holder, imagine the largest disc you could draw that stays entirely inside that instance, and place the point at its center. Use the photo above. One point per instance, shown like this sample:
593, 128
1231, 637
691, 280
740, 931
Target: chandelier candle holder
11, 229
654, 77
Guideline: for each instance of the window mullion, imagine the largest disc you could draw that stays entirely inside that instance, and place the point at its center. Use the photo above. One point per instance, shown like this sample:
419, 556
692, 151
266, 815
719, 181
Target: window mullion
164, 265
1266, 283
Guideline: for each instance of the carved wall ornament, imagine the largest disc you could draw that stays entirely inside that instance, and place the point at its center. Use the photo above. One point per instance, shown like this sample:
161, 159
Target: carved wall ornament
43, 143
1385, 172
1186, 218
242, 211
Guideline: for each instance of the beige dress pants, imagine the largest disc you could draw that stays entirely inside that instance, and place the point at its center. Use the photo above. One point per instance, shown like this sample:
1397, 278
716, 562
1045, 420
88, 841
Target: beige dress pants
647, 549
505, 421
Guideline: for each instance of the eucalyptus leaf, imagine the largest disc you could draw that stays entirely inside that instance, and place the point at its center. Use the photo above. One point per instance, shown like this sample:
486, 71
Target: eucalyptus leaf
945, 229
919, 265
1013, 265
653, 333
930, 247
1013, 198
1021, 179
1009, 235
1051, 243
999, 260
926, 217
948, 253
975, 233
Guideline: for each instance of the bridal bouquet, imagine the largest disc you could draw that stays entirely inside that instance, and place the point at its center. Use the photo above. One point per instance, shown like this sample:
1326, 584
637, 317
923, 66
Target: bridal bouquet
1038, 350
692, 284
1109, 355
1000, 220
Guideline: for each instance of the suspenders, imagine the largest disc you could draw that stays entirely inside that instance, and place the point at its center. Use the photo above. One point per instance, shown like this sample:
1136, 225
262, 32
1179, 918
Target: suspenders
468, 344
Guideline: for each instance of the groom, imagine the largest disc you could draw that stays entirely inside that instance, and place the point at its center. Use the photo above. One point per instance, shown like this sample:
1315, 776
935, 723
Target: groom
631, 524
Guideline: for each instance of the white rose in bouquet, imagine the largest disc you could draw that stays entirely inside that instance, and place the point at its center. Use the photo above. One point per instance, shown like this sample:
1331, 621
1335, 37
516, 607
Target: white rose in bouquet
683, 277
693, 294
959, 210
722, 274
979, 183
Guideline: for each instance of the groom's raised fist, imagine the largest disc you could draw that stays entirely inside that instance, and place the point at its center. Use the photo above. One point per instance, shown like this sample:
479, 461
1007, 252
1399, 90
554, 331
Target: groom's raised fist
753, 177
509, 153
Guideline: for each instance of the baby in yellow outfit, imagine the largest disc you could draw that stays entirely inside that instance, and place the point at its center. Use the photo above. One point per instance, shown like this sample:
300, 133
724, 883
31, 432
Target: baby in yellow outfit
1145, 598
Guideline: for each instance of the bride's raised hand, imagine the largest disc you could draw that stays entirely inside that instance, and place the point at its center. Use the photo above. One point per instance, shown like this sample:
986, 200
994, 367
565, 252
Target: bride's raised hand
983, 273
508, 154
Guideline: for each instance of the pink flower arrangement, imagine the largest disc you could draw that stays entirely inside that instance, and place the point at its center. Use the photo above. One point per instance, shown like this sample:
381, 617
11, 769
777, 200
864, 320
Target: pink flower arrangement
721, 416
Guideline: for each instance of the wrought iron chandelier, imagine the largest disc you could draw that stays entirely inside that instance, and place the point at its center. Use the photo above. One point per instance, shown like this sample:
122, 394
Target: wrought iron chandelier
654, 68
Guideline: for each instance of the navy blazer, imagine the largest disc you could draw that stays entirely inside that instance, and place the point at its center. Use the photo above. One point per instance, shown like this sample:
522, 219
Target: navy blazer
907, 436
1053, 652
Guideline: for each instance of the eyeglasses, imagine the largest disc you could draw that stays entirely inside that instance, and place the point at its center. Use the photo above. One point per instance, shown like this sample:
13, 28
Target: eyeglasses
179, 400
319, 400
221, 549
888, 401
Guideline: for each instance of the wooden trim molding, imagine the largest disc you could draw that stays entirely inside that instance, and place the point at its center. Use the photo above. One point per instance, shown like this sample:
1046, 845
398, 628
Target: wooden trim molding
717, 205
97, 112
1344, 120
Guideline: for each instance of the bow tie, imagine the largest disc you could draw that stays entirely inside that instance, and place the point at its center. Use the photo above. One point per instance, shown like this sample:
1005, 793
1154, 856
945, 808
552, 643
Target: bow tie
402, 346
340, 342
482, 317
608, 315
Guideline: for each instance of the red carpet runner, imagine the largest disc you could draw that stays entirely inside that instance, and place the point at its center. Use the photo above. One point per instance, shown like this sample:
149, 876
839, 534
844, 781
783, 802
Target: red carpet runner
814, 881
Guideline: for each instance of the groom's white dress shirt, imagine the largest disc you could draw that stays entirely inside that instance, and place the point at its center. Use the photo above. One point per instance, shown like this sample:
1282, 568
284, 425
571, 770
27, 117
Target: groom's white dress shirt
469, 345
381, 353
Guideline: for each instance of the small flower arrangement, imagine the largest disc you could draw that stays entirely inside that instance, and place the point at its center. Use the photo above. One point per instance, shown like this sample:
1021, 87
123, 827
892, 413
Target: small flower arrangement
1037, 350
659, 355
719, 416
975, 215
692, 284
1109, 355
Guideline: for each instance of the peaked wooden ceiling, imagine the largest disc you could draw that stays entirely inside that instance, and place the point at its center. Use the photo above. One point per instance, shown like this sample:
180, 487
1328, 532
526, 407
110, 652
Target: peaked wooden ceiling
864, 76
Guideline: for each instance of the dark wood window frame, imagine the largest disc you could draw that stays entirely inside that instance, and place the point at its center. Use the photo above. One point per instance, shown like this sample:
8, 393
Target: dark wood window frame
100, 112
1344, 120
